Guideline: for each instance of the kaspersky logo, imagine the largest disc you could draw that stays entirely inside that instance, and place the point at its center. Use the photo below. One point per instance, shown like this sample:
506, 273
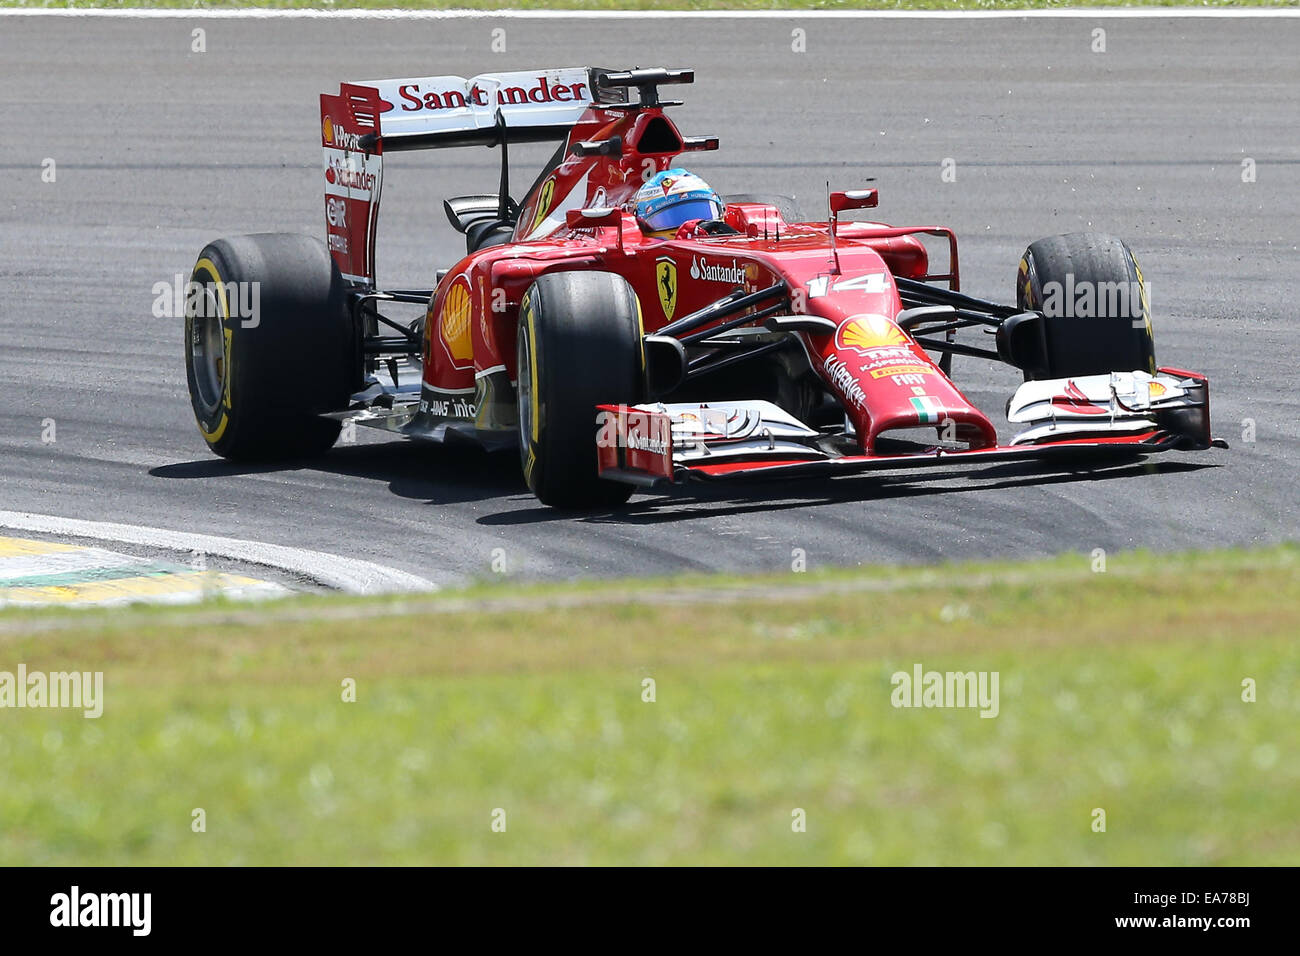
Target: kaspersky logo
844, 380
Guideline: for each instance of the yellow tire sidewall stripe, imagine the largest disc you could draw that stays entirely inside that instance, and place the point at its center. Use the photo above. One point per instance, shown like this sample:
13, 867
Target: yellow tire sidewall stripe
207, 265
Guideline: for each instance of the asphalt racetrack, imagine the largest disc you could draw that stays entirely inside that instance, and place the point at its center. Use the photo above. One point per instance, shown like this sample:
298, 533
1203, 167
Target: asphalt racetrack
158, 149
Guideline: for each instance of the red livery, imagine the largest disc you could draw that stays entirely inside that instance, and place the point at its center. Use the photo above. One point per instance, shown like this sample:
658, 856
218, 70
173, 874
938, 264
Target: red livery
613, 354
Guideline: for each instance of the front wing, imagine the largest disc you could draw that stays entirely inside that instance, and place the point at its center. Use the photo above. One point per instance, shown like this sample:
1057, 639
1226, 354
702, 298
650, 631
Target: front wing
1096, 418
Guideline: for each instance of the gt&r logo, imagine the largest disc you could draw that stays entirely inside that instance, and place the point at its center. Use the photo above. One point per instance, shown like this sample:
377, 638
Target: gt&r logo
336, 211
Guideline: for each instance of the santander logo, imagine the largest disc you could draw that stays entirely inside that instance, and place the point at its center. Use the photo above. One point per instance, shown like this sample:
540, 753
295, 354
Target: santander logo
716, 272
341, 174
541, 90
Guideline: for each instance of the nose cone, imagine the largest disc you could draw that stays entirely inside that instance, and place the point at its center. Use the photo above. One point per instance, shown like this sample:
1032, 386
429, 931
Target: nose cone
888, 382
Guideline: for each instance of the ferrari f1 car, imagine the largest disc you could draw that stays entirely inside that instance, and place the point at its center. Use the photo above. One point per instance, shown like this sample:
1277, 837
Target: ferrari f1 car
751, 343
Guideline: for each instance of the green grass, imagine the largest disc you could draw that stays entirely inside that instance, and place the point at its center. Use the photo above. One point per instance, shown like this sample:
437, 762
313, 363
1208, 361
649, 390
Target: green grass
656, 4
1119, 690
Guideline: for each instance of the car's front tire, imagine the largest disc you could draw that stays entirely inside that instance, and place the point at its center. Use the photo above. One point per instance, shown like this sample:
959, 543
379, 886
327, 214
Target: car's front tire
269, 347
1091, 291
578, 346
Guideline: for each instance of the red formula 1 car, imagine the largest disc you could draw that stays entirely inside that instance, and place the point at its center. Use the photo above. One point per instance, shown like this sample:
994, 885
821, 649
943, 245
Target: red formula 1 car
746, 344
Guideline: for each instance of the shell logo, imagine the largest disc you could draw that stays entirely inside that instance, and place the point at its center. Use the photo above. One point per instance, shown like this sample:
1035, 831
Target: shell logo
455, 325
327, 130
868, 331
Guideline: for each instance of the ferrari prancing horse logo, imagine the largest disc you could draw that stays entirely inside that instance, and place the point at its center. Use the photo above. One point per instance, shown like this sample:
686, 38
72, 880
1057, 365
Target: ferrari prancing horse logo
666, 282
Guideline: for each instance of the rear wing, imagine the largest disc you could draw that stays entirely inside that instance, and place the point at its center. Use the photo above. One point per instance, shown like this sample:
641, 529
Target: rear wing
367, 119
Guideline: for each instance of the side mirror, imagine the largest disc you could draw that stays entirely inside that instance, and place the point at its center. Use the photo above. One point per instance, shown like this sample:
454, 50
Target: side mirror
854, 199
589, 218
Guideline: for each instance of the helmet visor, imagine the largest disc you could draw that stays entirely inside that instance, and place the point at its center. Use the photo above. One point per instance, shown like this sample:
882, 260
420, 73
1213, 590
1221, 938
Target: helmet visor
670, 217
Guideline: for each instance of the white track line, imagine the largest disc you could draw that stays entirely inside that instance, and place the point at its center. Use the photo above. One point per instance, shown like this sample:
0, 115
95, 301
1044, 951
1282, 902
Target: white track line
1097, 13
345, 574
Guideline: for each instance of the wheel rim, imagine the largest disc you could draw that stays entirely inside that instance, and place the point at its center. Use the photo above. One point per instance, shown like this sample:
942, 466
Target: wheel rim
524, 392
208, 347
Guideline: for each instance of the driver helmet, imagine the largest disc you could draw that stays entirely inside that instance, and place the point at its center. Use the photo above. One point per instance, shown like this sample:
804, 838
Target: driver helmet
674, 197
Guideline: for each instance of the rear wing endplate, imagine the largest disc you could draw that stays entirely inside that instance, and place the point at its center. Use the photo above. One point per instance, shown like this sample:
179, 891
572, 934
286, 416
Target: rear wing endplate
365, 120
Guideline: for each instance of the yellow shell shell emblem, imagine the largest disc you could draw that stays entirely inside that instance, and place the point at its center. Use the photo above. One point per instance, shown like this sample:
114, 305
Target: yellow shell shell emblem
869, 331
455, 322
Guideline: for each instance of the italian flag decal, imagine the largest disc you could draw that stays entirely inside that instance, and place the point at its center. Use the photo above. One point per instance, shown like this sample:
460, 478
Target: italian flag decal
927, 409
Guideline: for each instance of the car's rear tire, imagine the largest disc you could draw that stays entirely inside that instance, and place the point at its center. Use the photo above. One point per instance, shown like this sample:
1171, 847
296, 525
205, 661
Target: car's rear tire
785, 205
579, 346
269, 347
1098, 318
